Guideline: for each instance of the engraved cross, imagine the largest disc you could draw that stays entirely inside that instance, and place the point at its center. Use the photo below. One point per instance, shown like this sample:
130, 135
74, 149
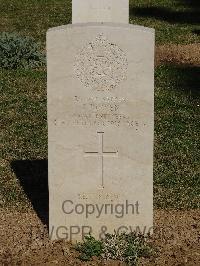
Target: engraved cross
101, 153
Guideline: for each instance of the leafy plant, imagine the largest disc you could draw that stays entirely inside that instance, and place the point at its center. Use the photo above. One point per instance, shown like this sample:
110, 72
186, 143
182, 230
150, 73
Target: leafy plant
127, 248
19, 52
89, 248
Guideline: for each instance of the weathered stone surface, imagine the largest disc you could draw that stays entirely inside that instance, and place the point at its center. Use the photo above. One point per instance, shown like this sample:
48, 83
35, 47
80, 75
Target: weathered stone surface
101, 64
100, 122
84, 11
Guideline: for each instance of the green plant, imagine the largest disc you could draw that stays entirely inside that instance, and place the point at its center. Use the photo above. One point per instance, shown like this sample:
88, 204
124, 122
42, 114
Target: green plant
19, 52
89, 248
126, 247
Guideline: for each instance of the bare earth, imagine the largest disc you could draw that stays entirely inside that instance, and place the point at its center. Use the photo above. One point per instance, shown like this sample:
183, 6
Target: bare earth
24, 241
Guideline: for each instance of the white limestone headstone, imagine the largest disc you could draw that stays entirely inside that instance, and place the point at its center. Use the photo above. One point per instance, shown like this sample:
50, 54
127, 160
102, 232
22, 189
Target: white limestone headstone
100, 129
84, 11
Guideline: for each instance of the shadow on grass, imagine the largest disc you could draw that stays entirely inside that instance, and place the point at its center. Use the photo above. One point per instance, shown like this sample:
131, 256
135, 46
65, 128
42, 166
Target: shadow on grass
189, 3
184, 78
33, 177
167, 14
197, 31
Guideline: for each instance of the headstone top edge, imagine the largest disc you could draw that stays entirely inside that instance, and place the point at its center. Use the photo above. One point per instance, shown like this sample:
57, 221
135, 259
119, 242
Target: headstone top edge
102, 24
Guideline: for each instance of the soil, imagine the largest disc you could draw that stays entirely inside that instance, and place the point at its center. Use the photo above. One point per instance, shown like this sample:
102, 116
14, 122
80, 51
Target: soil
178, 54
176, 238
24, 241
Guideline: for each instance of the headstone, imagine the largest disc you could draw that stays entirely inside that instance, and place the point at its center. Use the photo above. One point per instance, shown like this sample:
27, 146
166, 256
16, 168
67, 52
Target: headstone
100, 126
84, 11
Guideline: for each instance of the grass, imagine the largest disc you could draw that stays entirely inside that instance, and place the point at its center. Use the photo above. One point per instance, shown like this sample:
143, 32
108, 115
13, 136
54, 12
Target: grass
23, 127
33, 18
177, 134
175, 21
23, 97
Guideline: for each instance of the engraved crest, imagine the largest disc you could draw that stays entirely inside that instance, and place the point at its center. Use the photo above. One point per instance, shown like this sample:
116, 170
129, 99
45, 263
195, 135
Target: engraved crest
101, 64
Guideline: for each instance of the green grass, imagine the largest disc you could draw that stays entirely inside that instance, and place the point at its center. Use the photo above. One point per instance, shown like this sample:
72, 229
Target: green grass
23, 127
177, 110
33, 17
177, 134
175, 21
